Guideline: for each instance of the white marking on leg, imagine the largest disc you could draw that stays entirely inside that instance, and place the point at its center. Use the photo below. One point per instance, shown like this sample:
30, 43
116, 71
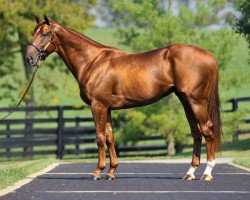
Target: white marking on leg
209, 167
191, 171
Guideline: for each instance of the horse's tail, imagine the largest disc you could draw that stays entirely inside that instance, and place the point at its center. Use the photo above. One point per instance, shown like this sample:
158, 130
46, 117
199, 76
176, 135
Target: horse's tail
214, 111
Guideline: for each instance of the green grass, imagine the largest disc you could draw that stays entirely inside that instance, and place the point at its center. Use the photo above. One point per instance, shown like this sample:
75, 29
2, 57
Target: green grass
236, 149
238, 70
12, 171
242, 161
107, 37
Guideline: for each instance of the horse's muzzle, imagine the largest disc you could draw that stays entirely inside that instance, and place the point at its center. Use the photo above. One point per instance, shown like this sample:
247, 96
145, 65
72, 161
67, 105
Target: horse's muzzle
29, 60
33, 61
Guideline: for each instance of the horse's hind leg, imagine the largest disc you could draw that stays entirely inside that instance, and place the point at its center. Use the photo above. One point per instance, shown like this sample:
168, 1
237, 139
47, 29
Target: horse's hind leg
111, 147
200, 109
196, 134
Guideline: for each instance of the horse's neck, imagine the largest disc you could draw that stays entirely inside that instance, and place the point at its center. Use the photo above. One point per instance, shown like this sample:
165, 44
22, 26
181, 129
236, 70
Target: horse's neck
76, 50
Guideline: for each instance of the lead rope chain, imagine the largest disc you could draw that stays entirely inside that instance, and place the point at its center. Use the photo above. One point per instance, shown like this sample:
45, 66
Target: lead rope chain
24, 94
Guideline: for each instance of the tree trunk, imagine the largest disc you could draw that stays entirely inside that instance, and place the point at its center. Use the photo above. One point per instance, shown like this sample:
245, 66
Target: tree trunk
171, 146
169, 5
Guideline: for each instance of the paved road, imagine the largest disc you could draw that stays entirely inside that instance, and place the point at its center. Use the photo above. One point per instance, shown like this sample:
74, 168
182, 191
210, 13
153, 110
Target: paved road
136, 181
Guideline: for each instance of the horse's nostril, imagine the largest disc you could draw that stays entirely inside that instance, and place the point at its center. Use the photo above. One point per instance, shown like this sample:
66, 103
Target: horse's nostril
29, 59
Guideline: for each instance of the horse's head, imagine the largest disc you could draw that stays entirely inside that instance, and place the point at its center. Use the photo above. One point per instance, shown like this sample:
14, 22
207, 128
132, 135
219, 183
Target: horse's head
42, 43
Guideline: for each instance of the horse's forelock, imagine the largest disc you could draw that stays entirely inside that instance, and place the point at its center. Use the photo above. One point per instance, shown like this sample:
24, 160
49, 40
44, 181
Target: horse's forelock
39, 26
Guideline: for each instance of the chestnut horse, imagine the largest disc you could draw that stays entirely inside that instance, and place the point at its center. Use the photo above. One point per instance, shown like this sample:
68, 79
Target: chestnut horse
112, 79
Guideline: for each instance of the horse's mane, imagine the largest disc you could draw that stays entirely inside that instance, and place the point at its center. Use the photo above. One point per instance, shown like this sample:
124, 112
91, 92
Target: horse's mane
78, 34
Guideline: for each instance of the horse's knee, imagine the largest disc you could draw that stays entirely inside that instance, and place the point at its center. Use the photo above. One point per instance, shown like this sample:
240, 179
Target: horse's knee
100, 140
197, 138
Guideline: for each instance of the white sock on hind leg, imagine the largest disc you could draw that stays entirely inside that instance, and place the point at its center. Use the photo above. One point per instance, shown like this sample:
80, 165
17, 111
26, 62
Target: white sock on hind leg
209, 168
191, 170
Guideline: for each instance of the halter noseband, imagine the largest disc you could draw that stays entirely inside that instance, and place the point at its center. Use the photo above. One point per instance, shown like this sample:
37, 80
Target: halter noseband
43, 50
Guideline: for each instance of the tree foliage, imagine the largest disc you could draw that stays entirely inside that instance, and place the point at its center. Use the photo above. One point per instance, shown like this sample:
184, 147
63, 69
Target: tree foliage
160, 26
242, 24
17, 23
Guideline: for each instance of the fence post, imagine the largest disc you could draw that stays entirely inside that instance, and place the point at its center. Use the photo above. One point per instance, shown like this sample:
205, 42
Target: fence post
60, 132
77, 137
234, 104
8, 136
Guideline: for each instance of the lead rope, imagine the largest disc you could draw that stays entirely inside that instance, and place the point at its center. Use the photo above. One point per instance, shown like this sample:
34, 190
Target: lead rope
41, 53
24, 94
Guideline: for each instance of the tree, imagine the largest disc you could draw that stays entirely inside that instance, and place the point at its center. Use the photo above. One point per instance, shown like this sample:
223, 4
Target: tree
242, 24
161, 26
17, 23
146, 25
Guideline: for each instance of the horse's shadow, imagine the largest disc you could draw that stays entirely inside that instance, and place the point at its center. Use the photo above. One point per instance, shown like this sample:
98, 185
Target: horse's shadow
87, 178
146, 177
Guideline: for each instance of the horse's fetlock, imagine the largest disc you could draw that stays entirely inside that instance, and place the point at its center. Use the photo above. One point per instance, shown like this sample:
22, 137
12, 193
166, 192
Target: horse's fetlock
197, 139
195, 162
102, 166
114, 165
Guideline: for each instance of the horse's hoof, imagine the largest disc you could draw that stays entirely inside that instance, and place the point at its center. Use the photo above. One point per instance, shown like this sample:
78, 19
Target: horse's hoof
108, 177
206, 177
94, 178
188, 177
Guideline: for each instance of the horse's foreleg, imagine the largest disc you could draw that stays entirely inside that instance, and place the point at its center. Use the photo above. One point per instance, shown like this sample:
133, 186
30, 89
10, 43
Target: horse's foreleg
100, 115
112, 153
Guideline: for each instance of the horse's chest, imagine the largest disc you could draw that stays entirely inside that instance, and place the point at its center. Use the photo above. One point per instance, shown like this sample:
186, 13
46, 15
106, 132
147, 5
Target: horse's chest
87, 90
85, 96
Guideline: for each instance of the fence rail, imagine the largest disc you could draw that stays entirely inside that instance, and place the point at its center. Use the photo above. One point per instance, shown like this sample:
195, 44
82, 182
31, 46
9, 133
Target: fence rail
53, 135
235, 106
235, 103
63, 133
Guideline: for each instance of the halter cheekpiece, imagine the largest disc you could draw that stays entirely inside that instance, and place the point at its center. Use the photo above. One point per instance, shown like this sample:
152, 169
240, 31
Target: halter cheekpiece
43, 50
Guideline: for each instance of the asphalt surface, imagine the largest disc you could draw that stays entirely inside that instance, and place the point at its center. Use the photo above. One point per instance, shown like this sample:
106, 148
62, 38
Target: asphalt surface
136, 181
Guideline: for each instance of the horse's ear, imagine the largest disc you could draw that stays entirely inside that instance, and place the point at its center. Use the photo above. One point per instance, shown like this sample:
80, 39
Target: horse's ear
46, 20
37, 19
